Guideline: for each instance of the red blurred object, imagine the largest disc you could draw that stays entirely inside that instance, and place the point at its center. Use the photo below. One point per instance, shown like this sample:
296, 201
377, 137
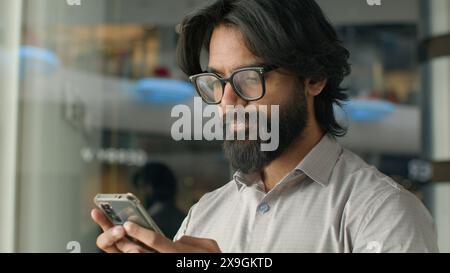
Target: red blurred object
162, 72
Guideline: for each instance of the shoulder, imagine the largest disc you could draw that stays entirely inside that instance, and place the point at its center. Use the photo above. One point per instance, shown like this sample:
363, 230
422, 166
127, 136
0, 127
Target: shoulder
366, 189
362, 180
381, 209
214, 200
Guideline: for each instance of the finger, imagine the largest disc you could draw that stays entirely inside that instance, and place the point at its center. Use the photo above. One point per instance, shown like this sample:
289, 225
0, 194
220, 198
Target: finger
127, 246
108, 239
101, 219
150, 238
206, 244
112, 249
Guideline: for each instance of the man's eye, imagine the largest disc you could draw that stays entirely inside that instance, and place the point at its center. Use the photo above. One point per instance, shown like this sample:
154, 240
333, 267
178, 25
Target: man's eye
216, 84
211, 83
252, 80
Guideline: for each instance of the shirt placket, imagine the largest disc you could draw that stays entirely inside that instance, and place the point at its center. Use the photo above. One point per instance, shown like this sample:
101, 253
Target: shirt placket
258, 237
260, 224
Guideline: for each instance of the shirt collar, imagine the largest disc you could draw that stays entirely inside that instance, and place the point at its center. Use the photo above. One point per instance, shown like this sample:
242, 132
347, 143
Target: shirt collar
243, 179
320, 161
317, 165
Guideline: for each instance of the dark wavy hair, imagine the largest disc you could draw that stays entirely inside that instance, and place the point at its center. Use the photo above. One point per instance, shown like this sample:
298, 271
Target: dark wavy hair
291, 34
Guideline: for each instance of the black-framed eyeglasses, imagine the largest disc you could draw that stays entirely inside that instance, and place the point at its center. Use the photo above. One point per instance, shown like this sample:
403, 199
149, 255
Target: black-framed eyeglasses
248, 83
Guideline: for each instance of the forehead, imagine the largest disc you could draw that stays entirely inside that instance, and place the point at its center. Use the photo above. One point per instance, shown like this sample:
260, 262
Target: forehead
228, 50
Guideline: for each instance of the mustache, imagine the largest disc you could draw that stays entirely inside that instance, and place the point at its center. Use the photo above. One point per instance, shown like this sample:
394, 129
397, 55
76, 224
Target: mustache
253, 128
248, 117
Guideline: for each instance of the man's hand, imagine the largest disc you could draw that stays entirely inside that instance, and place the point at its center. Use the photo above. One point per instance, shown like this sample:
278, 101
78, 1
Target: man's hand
113, 239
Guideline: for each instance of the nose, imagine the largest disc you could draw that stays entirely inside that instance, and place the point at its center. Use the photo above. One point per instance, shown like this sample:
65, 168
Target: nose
230, 97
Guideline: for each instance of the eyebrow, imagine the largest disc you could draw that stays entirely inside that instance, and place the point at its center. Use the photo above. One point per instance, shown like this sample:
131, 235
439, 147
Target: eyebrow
216, 71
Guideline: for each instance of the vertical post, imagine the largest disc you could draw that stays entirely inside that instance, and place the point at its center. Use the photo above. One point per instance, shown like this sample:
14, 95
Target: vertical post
436, 110
10, 20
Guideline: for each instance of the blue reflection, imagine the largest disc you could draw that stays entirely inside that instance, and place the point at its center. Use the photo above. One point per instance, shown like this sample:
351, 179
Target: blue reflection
366, 110
163, 91
34, 59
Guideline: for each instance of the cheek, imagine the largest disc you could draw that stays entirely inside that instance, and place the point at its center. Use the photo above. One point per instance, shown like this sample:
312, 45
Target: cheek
280, 92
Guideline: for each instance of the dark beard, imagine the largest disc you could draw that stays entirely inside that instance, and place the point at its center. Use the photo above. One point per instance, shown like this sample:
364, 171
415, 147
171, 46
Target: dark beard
246, 155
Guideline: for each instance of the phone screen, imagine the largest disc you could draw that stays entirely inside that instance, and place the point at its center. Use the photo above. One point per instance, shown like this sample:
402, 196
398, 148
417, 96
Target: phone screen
123, 212
125, 207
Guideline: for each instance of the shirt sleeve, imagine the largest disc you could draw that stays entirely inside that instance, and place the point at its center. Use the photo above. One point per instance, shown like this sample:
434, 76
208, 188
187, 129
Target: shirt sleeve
398, 222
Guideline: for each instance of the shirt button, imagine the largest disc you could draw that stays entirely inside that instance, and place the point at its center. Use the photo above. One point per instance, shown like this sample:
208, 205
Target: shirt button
264, 208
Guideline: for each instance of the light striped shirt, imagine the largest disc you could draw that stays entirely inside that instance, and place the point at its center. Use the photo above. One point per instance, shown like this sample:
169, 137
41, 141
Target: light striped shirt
331, 202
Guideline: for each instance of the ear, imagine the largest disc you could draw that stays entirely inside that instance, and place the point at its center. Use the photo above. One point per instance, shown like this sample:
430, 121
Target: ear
314, 86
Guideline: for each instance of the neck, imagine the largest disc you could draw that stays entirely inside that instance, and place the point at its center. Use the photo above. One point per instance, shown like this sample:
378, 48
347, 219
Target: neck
294, 154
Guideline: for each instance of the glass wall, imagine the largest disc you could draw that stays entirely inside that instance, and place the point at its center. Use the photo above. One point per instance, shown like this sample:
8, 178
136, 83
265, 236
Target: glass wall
90, 116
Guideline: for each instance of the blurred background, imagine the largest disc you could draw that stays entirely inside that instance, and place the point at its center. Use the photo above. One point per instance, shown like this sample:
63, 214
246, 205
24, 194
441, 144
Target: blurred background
87, 87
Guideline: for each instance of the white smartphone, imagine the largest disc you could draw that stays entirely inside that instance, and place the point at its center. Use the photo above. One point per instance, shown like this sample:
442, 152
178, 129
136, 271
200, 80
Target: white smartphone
123, 207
